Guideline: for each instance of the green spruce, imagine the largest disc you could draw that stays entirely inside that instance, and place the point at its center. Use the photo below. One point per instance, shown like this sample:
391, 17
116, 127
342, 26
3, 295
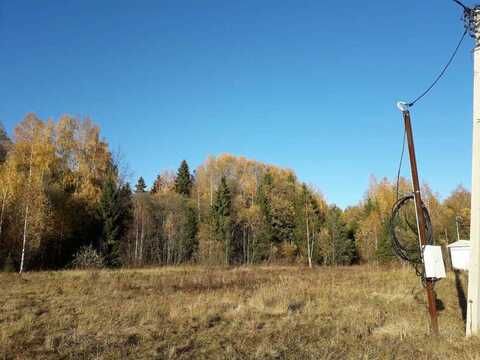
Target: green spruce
140, 187
183, 181
116, 213
221, 216
157, 185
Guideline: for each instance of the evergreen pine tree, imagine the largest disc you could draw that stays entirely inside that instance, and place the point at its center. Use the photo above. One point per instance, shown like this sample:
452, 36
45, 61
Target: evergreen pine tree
342, 248
110, 215
5, 144
115, 212
125, 208
266, 232
191, 229
157, 185
221, 214
140, 187
384, 252
183, 181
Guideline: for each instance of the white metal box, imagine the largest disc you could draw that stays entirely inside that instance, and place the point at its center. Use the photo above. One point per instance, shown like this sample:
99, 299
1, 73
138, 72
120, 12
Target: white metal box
433, 259
460, 254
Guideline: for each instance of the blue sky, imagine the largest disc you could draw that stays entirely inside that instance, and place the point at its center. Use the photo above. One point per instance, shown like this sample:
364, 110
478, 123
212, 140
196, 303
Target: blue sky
309, 85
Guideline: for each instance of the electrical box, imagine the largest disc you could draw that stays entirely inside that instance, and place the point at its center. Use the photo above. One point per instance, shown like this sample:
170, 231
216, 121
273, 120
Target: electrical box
460, 254
433, 259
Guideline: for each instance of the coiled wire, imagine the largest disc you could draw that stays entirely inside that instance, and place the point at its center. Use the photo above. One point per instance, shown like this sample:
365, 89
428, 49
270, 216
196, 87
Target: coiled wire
411, 253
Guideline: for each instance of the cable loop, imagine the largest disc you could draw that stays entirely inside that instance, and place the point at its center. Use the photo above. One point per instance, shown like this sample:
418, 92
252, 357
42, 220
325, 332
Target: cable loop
412, 254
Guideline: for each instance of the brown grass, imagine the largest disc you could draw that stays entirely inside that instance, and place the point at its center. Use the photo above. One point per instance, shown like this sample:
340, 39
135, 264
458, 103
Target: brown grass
216, 313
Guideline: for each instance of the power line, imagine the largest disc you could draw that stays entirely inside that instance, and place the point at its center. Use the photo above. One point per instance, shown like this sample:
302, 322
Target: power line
400, 166
442, 73
462, 5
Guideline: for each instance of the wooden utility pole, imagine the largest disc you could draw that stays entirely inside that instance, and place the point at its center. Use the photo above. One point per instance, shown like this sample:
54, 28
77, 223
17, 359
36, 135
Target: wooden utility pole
432, 306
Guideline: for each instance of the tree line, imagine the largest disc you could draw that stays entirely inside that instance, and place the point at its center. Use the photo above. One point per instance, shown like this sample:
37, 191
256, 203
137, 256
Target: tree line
62, 197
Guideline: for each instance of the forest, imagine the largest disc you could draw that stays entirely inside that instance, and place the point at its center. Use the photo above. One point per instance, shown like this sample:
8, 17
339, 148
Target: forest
65, 202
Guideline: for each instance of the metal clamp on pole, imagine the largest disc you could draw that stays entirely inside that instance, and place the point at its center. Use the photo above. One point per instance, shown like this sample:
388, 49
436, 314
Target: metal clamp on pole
403, 106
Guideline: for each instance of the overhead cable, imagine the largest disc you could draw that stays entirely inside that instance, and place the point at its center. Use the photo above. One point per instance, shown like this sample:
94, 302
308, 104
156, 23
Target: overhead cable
442, 73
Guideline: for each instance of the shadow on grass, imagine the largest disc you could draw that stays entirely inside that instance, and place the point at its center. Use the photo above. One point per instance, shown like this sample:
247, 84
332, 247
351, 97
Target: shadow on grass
462, 298
440, 305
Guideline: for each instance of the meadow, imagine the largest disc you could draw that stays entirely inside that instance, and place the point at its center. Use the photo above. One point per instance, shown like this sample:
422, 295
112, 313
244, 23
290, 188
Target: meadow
274, 312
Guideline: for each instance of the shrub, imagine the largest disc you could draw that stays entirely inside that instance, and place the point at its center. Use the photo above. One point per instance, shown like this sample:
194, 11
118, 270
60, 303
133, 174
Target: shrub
88, 258
289, 251
9, 266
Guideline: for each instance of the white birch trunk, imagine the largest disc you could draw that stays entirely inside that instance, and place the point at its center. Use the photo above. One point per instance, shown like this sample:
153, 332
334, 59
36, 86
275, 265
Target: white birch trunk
309, 254
142, 235
136, 236
334, 259
24, 238
198, 205
25, 223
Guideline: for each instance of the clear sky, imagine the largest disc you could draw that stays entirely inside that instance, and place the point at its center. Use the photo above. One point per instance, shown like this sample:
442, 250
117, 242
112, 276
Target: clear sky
309, 85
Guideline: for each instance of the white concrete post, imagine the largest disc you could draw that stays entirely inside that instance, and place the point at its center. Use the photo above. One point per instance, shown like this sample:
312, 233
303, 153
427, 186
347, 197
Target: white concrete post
473, 305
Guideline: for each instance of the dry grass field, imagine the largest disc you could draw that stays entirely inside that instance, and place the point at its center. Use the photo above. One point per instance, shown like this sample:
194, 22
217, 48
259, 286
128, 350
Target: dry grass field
238, 313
